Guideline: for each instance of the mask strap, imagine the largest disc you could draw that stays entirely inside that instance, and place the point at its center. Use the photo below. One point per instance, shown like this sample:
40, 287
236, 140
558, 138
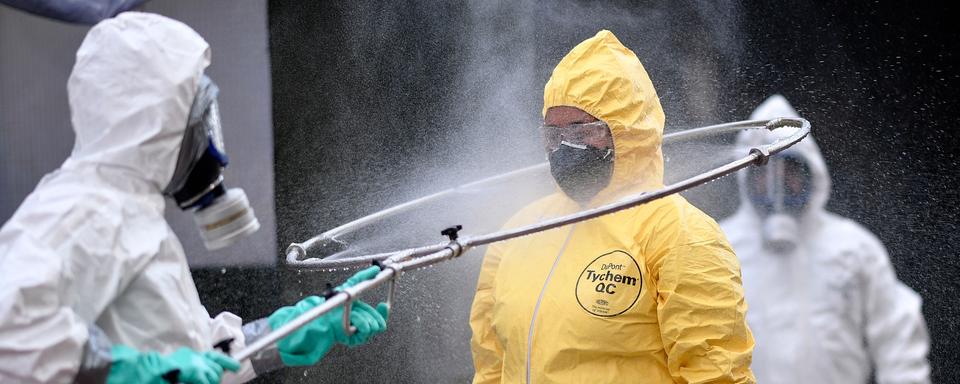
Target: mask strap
572, 145
775, 184
607, 154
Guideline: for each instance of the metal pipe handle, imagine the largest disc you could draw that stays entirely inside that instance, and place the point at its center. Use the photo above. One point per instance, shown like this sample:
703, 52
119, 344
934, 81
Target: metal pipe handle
403, 260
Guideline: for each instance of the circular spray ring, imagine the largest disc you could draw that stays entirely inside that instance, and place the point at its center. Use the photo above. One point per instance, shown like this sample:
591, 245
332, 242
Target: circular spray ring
393, 264
302, 255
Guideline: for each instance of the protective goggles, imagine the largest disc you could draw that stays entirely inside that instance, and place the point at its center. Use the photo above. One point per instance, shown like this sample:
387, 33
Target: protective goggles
595, 134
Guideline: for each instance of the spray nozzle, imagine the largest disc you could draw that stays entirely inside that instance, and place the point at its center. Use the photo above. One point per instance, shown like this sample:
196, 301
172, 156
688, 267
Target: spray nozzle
452, 233
329, 247
224, 345
328, 291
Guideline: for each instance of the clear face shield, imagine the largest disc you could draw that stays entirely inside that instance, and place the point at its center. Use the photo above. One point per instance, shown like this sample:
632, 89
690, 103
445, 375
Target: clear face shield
222, 216
779, 193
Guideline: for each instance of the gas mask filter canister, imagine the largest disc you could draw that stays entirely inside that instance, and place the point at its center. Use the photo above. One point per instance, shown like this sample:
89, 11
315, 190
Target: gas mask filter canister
226, 220
222, 216
780, 233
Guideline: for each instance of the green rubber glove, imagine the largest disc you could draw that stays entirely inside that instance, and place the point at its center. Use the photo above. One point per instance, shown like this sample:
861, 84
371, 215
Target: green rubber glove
359, 277
307, 345
375, 320
132, 366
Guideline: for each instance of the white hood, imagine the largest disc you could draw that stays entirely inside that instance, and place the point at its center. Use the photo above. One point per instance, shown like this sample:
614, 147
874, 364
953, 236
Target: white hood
777, 106
130, 92
831, 311
99, 254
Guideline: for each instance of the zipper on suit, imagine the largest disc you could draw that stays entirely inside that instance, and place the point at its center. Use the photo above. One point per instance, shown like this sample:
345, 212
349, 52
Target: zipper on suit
536, 309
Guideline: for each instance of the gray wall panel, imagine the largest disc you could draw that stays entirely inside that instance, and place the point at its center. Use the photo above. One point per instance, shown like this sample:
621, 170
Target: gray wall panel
36, 56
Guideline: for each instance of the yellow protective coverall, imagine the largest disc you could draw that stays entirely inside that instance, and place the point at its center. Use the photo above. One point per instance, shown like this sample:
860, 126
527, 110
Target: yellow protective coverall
650, 294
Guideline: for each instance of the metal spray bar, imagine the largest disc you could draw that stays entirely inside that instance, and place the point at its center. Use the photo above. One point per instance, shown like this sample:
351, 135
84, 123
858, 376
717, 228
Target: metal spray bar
298, 253
395, 263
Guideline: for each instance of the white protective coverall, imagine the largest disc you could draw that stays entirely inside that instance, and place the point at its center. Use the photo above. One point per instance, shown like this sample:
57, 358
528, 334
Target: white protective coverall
831, 310
89, 248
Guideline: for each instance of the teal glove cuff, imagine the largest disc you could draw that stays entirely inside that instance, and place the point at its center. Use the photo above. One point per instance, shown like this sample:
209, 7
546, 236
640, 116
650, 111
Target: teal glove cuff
131, 366
97, 358
307, 345
184, 366
268, 358
368, 321
359, 277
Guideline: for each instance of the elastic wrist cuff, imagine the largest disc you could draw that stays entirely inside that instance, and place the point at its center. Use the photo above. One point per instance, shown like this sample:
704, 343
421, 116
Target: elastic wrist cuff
97, 359
267, 359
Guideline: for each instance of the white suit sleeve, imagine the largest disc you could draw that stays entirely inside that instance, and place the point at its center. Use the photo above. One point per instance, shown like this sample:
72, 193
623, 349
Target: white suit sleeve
42, 339
227, 326
895, 330
58, 277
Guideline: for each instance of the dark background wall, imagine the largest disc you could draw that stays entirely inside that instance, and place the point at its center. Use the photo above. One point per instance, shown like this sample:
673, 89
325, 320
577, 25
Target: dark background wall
375, 103
879, 83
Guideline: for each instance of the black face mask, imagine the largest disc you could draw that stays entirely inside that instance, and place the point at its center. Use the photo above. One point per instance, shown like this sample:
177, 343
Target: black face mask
581, 172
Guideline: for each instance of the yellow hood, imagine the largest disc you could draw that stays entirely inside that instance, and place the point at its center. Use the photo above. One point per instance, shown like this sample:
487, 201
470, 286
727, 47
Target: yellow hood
650, 294
606, 79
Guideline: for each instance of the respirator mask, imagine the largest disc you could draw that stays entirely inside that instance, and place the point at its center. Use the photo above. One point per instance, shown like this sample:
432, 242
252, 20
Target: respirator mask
780, 192
579, 163
222, 216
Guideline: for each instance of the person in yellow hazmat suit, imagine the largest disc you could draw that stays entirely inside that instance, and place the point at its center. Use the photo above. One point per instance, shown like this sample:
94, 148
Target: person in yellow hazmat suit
651, 294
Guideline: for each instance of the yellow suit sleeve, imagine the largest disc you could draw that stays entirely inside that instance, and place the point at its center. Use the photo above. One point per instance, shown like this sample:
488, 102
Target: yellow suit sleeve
702, 315
487, 352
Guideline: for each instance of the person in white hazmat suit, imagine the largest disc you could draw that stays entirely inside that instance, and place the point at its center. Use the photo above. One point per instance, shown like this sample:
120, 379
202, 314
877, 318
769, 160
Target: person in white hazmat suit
825, 304
94, 285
